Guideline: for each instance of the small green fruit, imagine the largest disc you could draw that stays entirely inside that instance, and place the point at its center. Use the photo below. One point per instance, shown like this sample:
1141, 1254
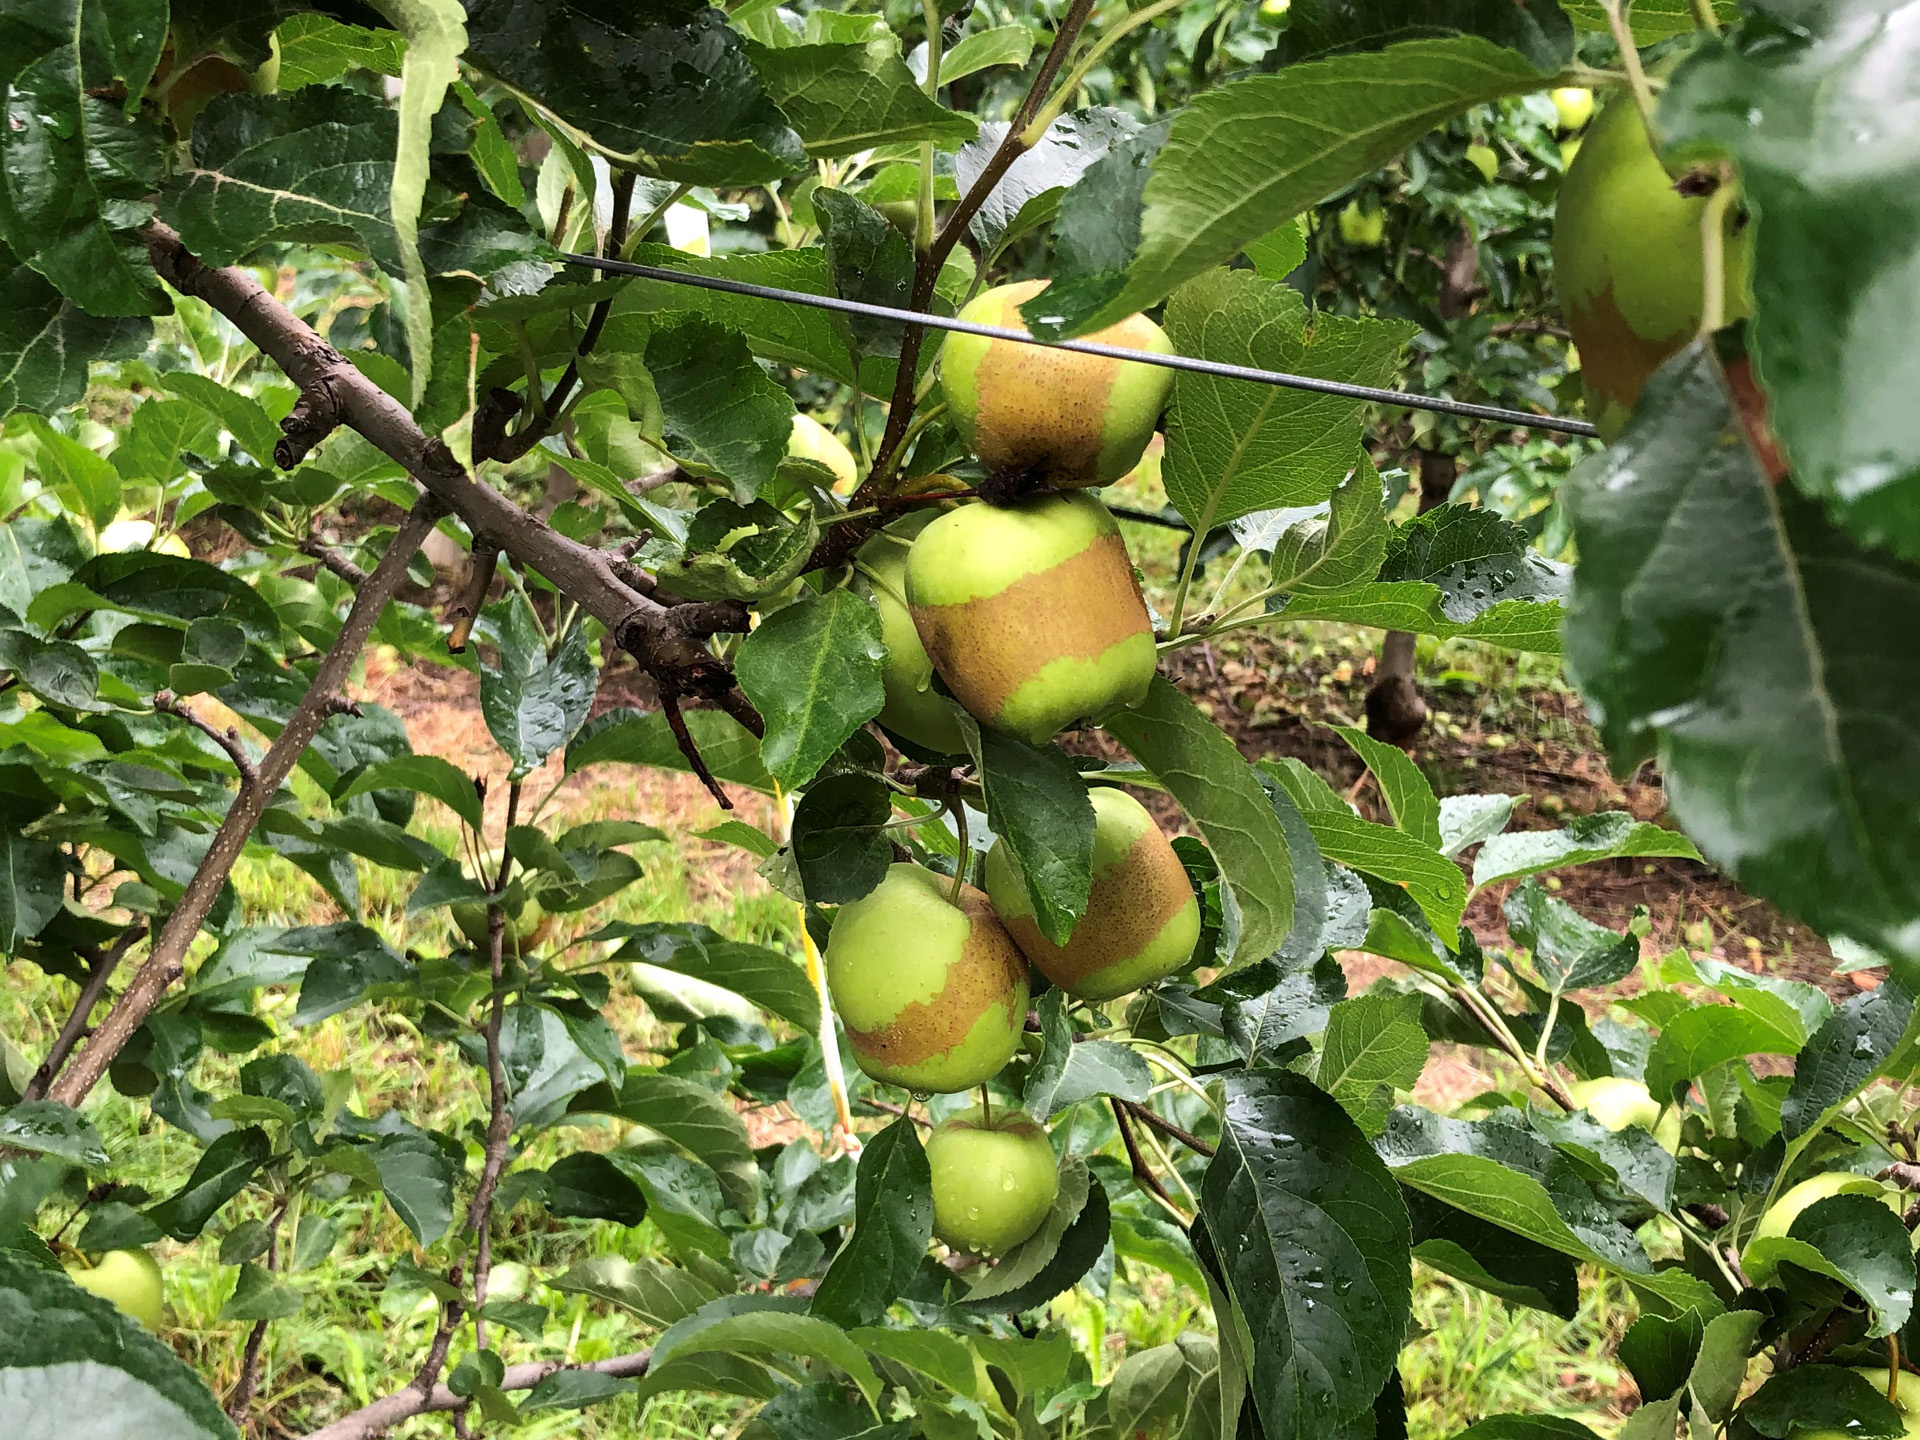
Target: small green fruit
1573, 105
914, 708
813, 441
528, 925
1907, 1398
1569, 148
903, 215
994, 1179
509, 1280
1362, 229
1617, 1103
1142, 918
1071, 419
1626, 259
1780, 1216
1032, 613
933, 994
129, 1278
1483, 159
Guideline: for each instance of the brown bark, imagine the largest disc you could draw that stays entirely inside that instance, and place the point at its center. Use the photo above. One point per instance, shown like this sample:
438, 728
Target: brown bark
383, 1414
1395, 711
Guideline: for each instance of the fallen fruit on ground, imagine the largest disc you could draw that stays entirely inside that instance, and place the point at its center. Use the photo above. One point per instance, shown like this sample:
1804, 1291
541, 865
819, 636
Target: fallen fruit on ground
130, 1279
1067, 418
1032, 613
914, 708
1627, 261
933, 993
1142, 918
994, 1179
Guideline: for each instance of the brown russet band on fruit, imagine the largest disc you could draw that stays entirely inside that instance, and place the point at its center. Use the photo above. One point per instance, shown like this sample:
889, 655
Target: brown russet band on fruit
989, 965
1128, 906
1019, 417
1095, 591
1615, 359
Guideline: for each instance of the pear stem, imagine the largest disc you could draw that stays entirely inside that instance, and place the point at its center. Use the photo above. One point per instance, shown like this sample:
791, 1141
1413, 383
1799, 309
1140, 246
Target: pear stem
958, 810
986, 1106
1893, 1369
1630, 61
1713, 255
1703, 15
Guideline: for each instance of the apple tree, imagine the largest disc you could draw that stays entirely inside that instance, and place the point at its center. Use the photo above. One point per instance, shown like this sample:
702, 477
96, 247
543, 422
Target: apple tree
313, 285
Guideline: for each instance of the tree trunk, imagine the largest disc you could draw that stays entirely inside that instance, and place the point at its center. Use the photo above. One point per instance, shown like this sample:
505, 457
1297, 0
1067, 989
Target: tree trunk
1395, 711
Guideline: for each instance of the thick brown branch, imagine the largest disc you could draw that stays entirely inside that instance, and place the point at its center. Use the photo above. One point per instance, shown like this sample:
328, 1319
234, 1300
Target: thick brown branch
103, 966
315, 415
384, 1414
166, 962
486, 559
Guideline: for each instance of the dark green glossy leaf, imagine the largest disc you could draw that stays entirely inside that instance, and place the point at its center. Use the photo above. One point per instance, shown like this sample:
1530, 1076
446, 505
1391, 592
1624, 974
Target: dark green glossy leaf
838, 845
870, 261
1477, 558
1093, 1068
750, 1326
656, 1292
771, 980
1095, 234
591, 1187
221, 1173
1038, 806
690, 1115
813, 671
1586, 838
845, 98
535, 702
417, 1178
893, 1224
1408, 793
824, 1412
1314, 1245
47, 1127
1844, 1054
33, 874
1569, 951
424, 775
1527, 1427
1822, 1397
345, 972
1492, 1259
1632, 1158
1832, 336
1272, 1005
572, 1389
1535, 28
1374, 1046
1753, 592
1029, 192
629, 737
57, 1341
1659, 1352
1224, 798
47, 342
725, 418
257, 1295
1067, 1245
1853, 1239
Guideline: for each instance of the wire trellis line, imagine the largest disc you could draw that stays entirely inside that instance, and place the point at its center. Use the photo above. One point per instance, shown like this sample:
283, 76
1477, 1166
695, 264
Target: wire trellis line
1438, 404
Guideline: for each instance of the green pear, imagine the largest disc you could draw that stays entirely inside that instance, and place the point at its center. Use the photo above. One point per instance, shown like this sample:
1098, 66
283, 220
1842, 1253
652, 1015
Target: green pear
1617, 1103
1906, 1398
1362, 229
1783, 1212
933, 993
813, 441
1627, 263
914, 708
1032, 613
1573, 106
527, 923
994, 1179
1142, 918
129, 1278
1484, 159
1072, 419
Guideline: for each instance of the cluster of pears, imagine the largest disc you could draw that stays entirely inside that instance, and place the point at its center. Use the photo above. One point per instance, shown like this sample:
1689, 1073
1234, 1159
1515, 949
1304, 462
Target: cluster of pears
1627, 261
1031, 615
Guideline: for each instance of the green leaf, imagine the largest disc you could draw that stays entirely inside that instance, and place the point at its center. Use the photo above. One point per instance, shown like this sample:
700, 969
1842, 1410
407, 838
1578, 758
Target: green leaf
670, 85
771, 980
79, 156
1234, 448
1095, 233
838, 845
1854, 1239
83, 480
893, 1224
47, 1127
1822, 1397
1038, 806
417, 1178
1720, 1372
47, 342
243, 416
1029, 192
1631, 1158
1478, 558
983, 49
33, 873
1469, 819
1326, 27
534, 703
57, 1341
1415, 606
339, 978
658, 1293
746, 552
1832, 331
1408, 795
692, 1116
725, 418
1526, 1427
573, 1389
1569, 951
424, 775
1652, 19
221, 1173
257, 1295
315, 49
1699, 1038
315, 165
1608, 835
758, 1333
813, 671
1093, 1068
870, 261
1659, 1352
630, 737
1374, 1046
1492, 1259
946, 1359
1314, 1245
588, 1186
1754, 590
844, 98
1067, 1245
1251, 154
1330, 550
1224, 798
1268, 1008
1844, 1054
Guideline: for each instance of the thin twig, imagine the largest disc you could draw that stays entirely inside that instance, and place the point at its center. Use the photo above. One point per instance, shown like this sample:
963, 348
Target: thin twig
101, 971
1142, 1172
382, 1415
249, 1382
500, 1119
333, 560
1168, 1128
166, 961
905, 1112
466, 610
166, 703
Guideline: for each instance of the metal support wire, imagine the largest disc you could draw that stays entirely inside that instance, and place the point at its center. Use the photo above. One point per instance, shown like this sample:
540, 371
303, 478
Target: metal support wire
1440, 405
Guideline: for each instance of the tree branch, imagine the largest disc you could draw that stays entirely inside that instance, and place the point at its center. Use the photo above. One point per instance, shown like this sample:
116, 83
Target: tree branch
639, 625
101, 972
382, 1415
333, 560
1168, 1128
1142, 1172
166, 962
166, 703
500, 1120
249, 1383
486, 558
